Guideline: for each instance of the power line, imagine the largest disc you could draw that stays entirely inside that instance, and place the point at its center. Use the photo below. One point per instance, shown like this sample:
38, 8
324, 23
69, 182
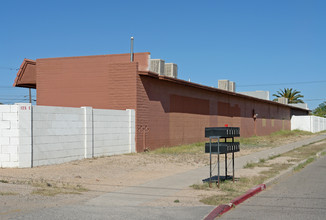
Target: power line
8, 68
12, 96
15, 97
12, 87
314, 99
289, 83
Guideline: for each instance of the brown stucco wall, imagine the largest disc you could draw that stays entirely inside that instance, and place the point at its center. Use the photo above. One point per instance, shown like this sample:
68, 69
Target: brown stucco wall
172, 114
107, 81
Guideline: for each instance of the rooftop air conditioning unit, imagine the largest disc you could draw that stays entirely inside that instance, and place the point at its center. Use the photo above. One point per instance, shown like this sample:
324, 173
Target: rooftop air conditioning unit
223, 84
157, 66
171, 70
226, 85
231, 86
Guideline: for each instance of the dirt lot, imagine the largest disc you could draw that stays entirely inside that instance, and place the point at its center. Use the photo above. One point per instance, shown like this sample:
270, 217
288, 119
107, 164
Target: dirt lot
111, 173
25, 189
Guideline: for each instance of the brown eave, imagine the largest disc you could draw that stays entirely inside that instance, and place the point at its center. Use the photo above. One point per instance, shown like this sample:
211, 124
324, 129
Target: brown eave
208, 88
26, 75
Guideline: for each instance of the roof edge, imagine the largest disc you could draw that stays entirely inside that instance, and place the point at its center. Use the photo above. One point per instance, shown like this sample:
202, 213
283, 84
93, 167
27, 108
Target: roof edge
21, 72
104, 55
196, 85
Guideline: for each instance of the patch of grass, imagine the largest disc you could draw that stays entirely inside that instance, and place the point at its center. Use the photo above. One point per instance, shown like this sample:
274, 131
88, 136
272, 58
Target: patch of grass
321, 132
303, 165
213, 200
274, 170
293, 160
288, 133
323, 153
306, 151
251, 141
250, 165
8, 193
46, 188
232, 190
4, 181
273, 139
176, 201
182, 149
203, 186
262, 160
274, 156
55, 190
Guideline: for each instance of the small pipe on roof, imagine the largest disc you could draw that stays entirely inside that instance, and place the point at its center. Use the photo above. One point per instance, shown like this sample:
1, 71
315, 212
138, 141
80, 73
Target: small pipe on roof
131, 49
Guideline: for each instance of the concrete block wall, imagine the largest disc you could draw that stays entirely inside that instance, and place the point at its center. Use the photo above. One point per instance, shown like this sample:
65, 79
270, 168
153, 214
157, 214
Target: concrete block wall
25, 135
58, 135
61, 134
9, 136
308, 123
113, 131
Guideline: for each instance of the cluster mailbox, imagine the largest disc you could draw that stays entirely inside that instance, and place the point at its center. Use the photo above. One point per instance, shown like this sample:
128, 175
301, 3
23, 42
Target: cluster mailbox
225, 132
225, 144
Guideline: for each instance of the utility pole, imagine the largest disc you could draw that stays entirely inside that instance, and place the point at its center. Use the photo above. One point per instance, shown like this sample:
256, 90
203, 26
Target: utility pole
30, 95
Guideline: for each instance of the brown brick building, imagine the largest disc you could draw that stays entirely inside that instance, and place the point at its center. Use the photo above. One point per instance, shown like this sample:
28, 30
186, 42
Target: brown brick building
169, 111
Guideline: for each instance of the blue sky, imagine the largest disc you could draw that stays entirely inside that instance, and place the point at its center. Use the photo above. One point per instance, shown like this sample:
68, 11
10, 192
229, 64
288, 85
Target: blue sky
280, 43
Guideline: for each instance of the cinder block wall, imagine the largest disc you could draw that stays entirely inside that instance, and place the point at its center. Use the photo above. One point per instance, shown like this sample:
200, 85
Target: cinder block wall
58, 135
45, 135
111, 132
9, 136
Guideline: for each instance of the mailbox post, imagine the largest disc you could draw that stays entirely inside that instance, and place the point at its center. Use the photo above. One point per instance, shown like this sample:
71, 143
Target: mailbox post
218, 133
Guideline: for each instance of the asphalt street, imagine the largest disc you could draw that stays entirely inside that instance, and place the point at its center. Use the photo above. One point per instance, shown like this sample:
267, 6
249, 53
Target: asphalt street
298, 196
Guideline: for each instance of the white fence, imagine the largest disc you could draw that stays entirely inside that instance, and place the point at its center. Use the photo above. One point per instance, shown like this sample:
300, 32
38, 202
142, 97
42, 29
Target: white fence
42, 135
308, 123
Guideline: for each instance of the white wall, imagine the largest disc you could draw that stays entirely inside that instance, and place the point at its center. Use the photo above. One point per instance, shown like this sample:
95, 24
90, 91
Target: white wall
308, 123
111, 132
9, 136
58, 135
62, 134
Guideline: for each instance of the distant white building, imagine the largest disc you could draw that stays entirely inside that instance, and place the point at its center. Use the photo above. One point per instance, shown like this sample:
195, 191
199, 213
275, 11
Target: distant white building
257, 94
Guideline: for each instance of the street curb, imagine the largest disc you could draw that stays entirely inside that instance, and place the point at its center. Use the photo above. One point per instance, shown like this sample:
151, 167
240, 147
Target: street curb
251, 192
221, 209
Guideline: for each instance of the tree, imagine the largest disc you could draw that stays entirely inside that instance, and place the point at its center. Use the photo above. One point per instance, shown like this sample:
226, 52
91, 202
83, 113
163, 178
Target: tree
292, 94
320, 110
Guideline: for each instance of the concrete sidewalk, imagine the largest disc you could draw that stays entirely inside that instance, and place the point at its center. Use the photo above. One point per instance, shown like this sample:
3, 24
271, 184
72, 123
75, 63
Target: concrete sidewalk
167, 186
